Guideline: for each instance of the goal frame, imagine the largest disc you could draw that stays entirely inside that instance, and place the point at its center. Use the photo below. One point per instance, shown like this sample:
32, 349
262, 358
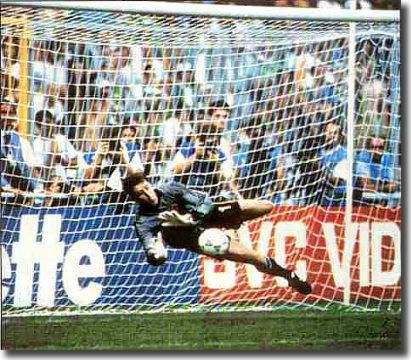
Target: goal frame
351, 16
212, 10
23, 87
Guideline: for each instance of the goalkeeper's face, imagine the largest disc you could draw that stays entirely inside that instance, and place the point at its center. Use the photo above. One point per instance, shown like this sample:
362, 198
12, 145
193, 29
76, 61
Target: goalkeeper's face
144, 193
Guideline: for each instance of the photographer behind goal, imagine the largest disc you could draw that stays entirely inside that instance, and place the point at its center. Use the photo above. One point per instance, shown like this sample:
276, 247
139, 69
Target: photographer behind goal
201, 163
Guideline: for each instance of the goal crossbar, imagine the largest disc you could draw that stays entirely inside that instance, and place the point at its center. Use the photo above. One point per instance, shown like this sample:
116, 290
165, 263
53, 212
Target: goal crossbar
210, 10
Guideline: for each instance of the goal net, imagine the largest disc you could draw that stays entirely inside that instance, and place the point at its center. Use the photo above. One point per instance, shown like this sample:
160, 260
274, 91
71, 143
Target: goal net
262, 104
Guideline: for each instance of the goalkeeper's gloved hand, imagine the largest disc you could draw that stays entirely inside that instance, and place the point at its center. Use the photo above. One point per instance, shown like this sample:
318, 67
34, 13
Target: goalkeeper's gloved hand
173, 218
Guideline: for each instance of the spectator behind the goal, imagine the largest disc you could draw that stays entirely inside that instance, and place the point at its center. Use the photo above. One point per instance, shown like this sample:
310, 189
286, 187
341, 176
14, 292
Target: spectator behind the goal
374, 169
90, 124
152, 119
149, 87
325, 84
57, 191
129, 135
184, 86
107, 162
256, 173
305, 189
156, 159
17, 158
201, 164
124, 73
51, 101
177, 129
218, 115
130, 153
205, 160
53, 151
332, 159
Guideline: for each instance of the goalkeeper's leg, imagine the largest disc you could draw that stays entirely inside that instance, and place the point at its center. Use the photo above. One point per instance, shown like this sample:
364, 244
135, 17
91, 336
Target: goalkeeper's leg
239, 253
252, 209
231, 214
222, 247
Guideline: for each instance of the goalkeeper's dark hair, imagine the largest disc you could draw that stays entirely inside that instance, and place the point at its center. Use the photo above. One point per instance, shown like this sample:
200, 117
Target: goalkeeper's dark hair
132, 180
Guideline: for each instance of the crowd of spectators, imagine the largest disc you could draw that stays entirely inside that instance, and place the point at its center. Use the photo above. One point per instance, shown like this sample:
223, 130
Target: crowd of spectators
248, 121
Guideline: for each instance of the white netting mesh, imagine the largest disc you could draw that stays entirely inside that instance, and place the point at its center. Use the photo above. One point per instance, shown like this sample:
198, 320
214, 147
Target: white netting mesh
262, 103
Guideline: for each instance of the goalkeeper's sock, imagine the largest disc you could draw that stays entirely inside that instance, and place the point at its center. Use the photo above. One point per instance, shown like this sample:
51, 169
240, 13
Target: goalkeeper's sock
294, 281
275, 269
303, 287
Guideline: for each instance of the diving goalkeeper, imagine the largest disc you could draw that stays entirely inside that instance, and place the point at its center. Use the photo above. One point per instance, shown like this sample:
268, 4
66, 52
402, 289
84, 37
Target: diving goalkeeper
188, 219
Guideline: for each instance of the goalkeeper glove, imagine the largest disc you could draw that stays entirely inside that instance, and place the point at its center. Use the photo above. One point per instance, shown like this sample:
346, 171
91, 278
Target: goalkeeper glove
173, 218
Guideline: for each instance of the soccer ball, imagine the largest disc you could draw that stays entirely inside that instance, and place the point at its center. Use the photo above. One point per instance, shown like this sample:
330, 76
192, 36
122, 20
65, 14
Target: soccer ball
214, 242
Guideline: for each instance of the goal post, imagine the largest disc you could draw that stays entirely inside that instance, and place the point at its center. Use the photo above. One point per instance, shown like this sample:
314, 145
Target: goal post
23, 90
296, 106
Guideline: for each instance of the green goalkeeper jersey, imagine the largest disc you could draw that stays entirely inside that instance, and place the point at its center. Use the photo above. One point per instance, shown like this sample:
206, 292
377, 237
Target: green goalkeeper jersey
173, 196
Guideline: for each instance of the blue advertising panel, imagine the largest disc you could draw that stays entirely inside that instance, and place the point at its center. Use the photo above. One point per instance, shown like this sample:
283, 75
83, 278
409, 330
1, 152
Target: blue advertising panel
87, 256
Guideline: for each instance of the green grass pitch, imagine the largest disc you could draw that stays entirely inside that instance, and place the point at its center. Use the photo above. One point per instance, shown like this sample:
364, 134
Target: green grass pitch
278, 330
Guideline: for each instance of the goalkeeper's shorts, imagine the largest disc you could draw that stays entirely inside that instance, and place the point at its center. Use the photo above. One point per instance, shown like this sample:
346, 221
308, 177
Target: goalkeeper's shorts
226, 215
182, 237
